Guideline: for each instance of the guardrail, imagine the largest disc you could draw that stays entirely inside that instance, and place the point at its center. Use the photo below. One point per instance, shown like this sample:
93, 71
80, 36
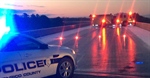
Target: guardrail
48, 31
142, 25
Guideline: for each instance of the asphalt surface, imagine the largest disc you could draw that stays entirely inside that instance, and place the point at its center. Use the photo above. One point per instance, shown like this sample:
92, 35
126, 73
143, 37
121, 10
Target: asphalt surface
109, 53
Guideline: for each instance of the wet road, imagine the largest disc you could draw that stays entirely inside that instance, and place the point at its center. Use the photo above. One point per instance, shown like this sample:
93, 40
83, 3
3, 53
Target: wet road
109, 51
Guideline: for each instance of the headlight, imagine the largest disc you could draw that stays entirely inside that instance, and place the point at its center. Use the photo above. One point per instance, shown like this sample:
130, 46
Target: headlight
73, 52
96, 24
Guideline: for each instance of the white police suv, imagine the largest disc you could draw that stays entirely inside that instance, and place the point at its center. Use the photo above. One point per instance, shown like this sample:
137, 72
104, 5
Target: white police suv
22, 56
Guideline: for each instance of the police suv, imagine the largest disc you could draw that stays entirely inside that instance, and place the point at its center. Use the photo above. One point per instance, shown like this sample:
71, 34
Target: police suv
22, 56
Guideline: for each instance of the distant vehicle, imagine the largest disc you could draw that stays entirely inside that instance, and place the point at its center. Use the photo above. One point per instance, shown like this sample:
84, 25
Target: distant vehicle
26, 57
116, 20
102, 20
124, 19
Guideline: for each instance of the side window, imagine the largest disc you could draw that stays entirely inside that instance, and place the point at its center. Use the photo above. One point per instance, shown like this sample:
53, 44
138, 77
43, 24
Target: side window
24, 43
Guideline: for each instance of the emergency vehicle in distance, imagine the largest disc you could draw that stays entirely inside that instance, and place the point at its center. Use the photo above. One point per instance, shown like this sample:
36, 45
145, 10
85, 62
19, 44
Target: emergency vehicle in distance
26, 57
124, 19
102, 20
119, 19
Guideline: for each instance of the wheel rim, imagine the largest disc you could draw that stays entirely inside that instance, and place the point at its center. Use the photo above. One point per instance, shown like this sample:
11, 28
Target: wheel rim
65, 69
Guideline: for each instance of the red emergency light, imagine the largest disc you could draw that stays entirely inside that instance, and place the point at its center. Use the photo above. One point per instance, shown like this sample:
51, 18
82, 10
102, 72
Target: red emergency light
103, 20
93, 16
130, 13
117, 20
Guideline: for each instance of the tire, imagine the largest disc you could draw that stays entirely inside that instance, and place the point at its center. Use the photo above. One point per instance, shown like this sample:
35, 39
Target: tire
65, 68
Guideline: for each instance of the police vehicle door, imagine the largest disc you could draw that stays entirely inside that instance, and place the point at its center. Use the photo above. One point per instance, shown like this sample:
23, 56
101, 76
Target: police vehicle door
36, 61
10, 61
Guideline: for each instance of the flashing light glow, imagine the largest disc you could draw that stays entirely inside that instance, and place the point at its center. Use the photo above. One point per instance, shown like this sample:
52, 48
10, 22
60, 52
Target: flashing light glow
117, 20
61, 38
133, 20
92, 19
6, 18
76, 37
103, 21
3, 29
95, 8
99, 36
124, 40
139, 62
4, 2
6, 21
130, 13
124, 36
118, 31
93, 16
104, 37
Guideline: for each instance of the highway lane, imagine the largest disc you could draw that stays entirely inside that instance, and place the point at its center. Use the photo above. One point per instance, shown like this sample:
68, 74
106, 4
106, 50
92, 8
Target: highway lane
109, 51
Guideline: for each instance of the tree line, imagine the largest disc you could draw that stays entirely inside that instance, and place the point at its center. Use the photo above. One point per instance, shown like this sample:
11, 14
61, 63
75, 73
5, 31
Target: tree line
26, 22
140, 18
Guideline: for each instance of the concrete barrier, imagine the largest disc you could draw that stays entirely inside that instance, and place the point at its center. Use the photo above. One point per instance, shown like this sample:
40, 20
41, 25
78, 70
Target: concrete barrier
48, 31
142, 25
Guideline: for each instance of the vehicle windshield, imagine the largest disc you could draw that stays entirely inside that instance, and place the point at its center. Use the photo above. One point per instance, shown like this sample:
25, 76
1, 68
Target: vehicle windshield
110, 37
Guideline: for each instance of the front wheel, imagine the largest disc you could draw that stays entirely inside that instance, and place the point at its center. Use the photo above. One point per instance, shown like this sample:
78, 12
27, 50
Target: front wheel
65, 68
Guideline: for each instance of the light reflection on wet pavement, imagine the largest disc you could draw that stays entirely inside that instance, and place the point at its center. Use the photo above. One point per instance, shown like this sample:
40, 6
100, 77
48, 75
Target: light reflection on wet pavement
110, 51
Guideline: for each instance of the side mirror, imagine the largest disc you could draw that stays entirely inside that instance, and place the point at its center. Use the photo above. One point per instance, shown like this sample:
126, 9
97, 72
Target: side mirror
44, 46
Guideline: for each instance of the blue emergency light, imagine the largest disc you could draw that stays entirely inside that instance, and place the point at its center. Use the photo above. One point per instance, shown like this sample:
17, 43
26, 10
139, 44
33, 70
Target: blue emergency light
6, 26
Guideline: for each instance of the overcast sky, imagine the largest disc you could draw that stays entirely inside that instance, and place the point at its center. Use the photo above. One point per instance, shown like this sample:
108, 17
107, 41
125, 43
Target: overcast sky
77, 8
